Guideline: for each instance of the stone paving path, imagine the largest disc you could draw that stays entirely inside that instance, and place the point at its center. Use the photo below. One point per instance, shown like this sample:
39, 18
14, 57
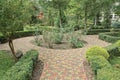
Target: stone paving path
60, 64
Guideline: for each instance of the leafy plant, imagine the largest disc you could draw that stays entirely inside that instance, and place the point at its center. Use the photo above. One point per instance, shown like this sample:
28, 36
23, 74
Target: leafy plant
97, 51
76, 39
52, 37
98, 62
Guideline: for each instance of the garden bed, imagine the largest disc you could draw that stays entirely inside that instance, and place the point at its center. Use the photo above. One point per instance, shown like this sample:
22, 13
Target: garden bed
55, 40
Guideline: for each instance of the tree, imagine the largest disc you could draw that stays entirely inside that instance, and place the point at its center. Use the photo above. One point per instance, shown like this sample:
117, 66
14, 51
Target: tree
13, 15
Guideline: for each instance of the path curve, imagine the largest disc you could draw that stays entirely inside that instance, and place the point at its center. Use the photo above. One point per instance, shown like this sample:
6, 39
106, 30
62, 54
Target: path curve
60, 64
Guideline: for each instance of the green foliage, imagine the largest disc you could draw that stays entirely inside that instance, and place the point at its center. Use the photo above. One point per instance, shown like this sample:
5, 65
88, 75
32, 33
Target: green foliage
115, 61
18, 35
108, 74
6, 62
22, 70
52, 37
98, 62
97, 51
109, 37
118, 45
97, 31
75, 38
115, 25
113, 50
13, 16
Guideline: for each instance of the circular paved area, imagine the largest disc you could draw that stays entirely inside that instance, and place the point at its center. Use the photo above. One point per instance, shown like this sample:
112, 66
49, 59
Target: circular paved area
60, 64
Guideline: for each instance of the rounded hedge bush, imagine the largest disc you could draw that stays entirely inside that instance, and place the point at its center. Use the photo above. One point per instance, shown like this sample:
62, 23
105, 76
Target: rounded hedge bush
97, 51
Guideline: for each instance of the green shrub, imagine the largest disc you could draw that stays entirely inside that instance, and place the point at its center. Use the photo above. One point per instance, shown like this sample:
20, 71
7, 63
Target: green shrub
118, 45
115, 61
75, 38
96, 51
108, 74
52, 37
22, 70
113, 50
97, 31
115, 25
98, 62
18, 34
76, 43
109, 37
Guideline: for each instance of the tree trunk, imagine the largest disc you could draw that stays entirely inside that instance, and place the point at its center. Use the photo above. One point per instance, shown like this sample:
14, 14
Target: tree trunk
12, 48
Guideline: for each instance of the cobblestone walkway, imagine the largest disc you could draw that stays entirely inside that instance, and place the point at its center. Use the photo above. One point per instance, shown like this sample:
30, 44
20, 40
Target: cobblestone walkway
60, 64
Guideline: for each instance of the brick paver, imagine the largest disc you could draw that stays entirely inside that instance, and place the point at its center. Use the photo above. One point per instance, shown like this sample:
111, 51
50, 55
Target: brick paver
60, 64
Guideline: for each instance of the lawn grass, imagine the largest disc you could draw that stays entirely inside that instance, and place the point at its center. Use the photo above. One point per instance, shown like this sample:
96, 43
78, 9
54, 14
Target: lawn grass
6, 61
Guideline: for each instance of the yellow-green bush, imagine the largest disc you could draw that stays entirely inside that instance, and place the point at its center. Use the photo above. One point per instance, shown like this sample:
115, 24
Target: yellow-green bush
108, 74
97, 51
98, 62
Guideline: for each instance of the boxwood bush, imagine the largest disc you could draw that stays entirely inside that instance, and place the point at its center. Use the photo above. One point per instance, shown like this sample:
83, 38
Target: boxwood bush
97, 31
110, 37
98, 62
97, 50
22, 70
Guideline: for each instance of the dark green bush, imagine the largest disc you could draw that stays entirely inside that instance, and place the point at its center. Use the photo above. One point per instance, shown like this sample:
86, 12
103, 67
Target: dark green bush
97, 31
22, 70
18, 35
108, 74
109, 37
3, 39
97, 51
113, 50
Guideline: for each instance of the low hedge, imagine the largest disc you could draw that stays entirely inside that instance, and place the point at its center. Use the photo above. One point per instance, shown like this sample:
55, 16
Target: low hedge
22, 70
108, 74
18, 35
113, 50
101, 66
109, 37
98, 62
97, 31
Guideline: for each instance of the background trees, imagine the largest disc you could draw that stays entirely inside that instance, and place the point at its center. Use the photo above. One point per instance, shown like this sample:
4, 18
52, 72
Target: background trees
84, 13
